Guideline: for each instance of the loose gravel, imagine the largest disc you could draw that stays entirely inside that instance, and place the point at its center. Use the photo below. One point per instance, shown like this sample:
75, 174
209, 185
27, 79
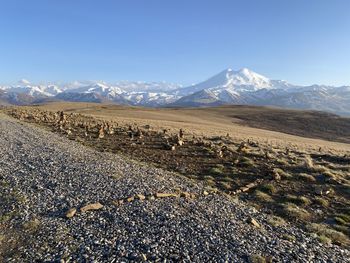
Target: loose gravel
51, 174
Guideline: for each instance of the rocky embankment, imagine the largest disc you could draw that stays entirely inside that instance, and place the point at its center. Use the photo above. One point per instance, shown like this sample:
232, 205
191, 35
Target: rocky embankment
136, 213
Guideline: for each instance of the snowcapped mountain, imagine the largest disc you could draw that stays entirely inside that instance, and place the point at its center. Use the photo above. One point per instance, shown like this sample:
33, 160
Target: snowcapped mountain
25, 87
243, 80
203, 97
247, 87
141, 86
102, 89
132, 93
227, 87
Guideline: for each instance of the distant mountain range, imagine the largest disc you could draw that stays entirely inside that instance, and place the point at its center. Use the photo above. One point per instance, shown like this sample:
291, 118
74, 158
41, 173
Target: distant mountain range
228, 87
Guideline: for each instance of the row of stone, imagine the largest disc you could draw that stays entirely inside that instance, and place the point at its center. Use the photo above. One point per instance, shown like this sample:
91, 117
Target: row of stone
68, 124
96, 206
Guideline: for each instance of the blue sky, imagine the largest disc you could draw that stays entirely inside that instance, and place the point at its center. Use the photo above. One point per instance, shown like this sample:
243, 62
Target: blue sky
183, 41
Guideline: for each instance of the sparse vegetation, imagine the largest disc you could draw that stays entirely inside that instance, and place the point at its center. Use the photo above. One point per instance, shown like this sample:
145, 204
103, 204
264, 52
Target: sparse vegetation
326, 231
283, 173
225, 185
324, 240
32, 225
289, 237
292, 178
321, 201
262, 197
218, 170
307, 177
276, 221
246, 162
294, 211
343, 219
268, 188
298, 200
257, 259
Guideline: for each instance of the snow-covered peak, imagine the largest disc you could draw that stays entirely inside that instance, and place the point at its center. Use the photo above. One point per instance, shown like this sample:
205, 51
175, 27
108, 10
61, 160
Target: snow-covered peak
234, 81
99, 87
247, 78
52, 89
23, 82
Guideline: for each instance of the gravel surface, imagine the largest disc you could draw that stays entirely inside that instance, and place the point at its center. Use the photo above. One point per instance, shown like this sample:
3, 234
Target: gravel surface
51, 174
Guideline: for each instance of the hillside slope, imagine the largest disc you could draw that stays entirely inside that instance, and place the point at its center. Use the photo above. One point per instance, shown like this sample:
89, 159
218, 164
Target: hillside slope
43, 175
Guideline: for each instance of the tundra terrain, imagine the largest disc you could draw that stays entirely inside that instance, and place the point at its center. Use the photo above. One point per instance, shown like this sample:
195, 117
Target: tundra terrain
85, 182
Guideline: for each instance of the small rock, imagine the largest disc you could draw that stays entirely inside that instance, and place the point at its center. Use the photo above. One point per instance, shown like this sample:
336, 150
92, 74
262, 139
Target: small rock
185, 195
161, 195
71, 212
140, 197
180, 142
130, 199
254, 222
205, 193
88, 207
276, 176
245, 189
118, 202
151, 197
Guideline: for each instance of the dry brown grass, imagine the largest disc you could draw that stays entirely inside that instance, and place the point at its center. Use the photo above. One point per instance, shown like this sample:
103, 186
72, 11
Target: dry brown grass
262, 197
298, 200
276, 221
294, 211
326, 231
209, 122
307, 177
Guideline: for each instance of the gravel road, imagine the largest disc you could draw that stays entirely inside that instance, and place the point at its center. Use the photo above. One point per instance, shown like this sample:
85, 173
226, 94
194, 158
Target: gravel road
49, 174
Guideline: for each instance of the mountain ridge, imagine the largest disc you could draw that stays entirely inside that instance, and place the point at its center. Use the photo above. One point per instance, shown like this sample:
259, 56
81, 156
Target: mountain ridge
243, 86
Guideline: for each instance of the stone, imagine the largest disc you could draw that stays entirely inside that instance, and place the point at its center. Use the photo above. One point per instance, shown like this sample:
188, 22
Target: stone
220, 154
140, 197
205, 193
150, 197
162, 195
181, 133
118, 202
185, 195
88, 207
244, 189
130, 199
254, 222
276, 176
242, 147
251, 185
101, 133
71, 212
